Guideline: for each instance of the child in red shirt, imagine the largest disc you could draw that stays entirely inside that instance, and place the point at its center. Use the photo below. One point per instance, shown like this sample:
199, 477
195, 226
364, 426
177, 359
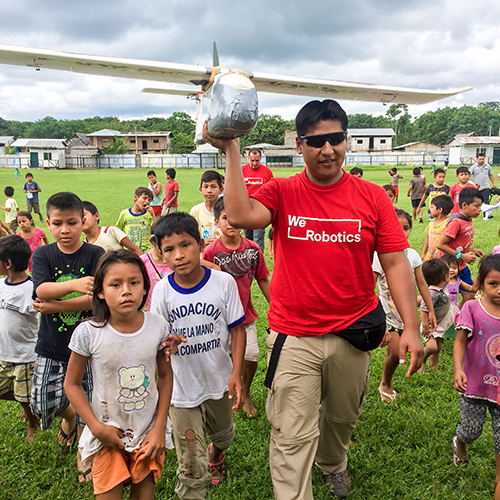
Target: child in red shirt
170, 204
458, 236
243, 260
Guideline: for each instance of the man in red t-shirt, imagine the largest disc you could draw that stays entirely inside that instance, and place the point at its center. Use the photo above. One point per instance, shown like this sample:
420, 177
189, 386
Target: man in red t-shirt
324, 315
255, 176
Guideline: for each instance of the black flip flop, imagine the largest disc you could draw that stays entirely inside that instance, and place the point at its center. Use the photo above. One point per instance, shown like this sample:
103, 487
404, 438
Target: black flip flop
84, 474
67, 437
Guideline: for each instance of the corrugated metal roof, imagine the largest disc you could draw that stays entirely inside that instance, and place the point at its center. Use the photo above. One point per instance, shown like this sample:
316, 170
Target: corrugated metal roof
472, 139
105, 132
4, 139
39, 143
414, 143
146, 134
365, 132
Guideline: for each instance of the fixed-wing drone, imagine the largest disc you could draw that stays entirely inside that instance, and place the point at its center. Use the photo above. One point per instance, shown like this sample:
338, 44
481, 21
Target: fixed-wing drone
226, 97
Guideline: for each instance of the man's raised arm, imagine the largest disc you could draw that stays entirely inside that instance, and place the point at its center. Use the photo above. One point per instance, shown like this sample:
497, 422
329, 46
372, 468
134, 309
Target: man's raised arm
242, 211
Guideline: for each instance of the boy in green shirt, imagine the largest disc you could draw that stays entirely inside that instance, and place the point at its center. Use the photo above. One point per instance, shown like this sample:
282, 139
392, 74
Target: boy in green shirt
136, 222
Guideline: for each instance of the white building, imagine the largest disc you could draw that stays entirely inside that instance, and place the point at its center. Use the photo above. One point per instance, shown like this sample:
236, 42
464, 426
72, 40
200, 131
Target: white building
42, 153
370, 139
465, 147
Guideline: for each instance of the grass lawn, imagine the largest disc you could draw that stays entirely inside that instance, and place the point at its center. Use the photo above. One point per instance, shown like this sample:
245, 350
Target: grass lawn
400, 451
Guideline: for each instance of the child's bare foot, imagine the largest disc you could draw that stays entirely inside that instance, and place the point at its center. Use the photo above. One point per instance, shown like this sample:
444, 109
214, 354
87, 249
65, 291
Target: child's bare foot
31, 433
421, 370
460, 455
24, 417
249, 408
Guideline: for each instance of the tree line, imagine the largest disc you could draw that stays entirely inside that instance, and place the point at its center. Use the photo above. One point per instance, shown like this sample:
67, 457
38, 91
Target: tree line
437, 127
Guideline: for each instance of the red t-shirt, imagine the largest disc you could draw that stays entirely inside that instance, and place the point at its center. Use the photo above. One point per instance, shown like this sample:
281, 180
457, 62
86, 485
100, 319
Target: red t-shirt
461, 233
455, 192
243, 264
255, 177
170, 188
324, 240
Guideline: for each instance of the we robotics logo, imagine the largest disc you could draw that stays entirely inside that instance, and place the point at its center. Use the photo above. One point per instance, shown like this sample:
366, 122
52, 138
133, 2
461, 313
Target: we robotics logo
324, 230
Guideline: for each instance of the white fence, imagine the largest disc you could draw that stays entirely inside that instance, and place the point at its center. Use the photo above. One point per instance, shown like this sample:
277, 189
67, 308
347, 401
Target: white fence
394, 159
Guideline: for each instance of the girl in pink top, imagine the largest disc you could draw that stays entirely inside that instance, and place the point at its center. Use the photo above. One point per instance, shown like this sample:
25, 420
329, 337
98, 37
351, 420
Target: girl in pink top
30, 233
476, 367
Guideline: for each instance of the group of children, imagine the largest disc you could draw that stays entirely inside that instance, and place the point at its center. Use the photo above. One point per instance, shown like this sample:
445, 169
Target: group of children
442, 274
96, 336
194, 356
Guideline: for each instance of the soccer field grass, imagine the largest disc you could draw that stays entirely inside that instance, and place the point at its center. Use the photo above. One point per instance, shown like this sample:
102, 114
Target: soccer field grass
400, 451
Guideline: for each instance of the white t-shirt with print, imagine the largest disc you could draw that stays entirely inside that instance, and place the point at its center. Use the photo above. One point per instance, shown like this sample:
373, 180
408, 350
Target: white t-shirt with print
18, 322
123, 368
109, 238
204, 314
392, 315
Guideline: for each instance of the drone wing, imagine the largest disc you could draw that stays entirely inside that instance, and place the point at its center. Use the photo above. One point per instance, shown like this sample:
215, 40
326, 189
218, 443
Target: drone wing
189, 74
106, 66
315, 87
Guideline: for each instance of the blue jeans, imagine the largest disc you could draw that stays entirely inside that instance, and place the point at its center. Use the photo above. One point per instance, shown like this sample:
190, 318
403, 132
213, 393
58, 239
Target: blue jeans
256, 235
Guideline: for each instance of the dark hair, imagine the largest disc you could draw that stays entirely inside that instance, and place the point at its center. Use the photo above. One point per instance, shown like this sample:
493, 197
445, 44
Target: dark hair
140, 191
15, 249
90, 207
388, 187
416, 171
178, 223
29, 174
8, 191
218, 207
463, 170
468, 195
439, 171
443, 201
316, 111
209, 176
27, 215
402, 214
450, 260
65, 201
356, 171
435, 271
151, 172
394, 169
255, 150
480, 154
170, 172
100, 309
489, 263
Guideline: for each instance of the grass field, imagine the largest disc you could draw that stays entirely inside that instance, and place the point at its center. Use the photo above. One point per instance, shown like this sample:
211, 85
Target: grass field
401, 451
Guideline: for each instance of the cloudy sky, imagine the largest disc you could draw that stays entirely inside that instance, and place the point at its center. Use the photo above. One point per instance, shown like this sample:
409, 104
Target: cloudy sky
431, 44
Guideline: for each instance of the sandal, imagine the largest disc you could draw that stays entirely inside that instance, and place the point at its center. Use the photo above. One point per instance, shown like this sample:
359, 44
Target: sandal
218, 471
457, 461
67, 437
387, 397
83, 474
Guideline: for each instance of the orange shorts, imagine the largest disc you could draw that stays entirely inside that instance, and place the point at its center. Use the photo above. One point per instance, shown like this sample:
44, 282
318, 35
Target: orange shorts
112, 467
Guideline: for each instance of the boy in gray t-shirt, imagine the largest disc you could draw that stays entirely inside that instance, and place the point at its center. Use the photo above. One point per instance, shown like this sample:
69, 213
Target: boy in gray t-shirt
417, 189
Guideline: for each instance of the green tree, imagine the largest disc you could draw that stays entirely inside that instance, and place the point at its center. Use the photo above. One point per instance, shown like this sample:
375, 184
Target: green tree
270, 129
117, 147
183, 143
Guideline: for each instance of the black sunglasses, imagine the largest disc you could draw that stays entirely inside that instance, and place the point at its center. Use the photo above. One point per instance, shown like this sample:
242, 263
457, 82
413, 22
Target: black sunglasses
318, 141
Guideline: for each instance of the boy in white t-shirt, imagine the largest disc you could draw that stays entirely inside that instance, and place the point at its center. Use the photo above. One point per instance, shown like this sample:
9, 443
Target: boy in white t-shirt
109, 237
204, 310
18, 327
11, 208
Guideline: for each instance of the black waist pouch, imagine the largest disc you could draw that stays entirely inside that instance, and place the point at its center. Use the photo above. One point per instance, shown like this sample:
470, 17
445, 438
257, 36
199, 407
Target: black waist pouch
367, 332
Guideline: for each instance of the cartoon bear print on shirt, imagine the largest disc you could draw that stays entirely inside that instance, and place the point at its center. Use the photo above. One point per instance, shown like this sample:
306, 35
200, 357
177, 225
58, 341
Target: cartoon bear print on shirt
133, 383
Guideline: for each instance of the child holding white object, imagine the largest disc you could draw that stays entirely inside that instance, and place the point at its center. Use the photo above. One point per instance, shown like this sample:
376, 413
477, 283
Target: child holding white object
436, 274
476, 367
395, 324
124, 438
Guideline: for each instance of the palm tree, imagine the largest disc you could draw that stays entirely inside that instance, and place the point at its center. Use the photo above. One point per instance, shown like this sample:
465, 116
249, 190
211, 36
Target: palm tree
117, 147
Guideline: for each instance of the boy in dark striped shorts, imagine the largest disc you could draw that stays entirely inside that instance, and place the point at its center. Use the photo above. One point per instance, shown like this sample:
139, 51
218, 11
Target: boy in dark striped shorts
18, 327
63, 281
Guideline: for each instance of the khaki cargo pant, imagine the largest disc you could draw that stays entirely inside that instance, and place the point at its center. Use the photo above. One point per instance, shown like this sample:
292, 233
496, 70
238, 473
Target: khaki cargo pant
313, 406
213, 418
